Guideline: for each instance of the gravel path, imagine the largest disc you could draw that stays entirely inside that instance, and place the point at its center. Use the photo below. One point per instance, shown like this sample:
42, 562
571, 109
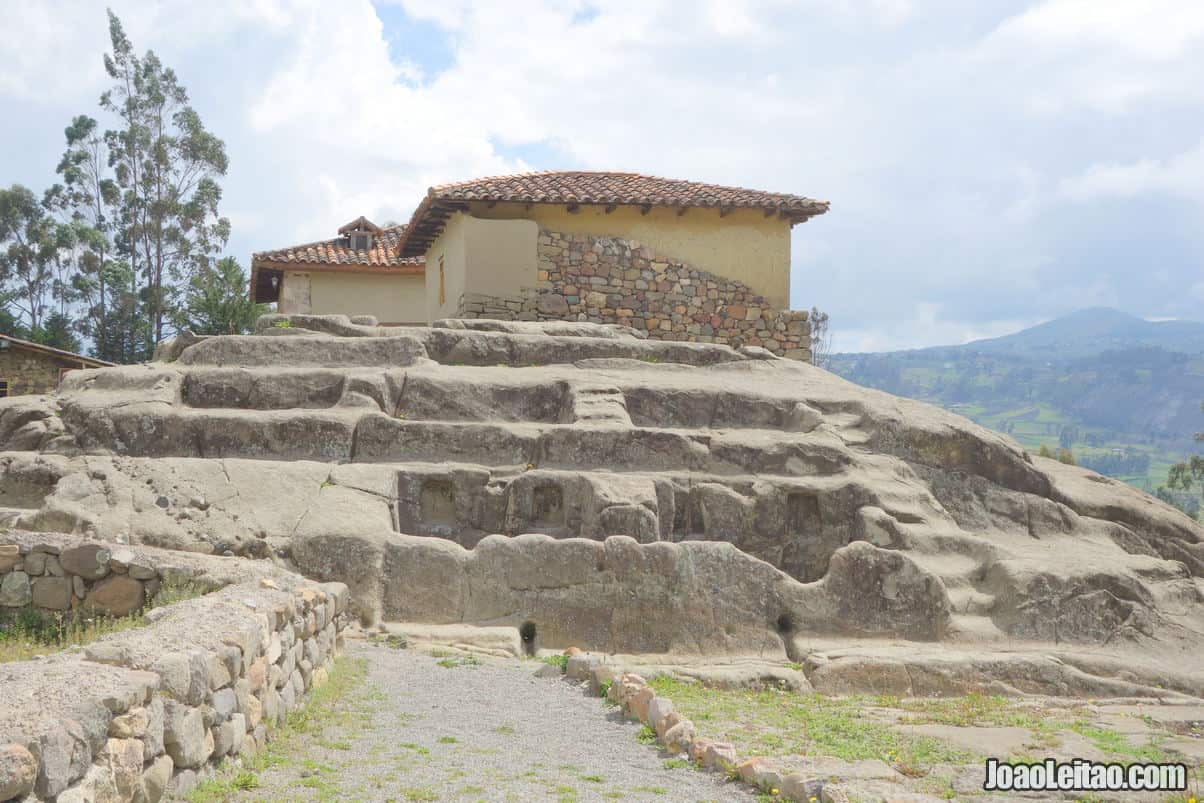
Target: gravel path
423, 728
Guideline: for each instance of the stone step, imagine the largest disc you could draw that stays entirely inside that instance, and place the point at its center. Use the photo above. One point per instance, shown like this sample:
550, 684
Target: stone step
350, 434
973, 629
464, 347
599, 405
305, 350
966, 600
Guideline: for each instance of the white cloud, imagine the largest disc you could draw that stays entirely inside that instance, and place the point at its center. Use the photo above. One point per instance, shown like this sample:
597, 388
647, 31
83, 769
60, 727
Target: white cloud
929, 324
963, 150
1181, 174
1154, 30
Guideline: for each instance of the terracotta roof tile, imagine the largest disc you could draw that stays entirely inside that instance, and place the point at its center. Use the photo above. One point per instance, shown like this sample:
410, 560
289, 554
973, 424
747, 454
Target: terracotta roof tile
337, 252
593, 187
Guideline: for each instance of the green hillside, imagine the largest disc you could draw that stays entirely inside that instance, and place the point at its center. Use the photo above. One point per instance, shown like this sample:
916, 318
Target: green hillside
1121, 393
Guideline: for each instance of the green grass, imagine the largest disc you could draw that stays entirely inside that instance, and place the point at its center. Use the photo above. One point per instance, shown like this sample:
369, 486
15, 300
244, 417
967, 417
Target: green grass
781, 723
983, 710
1119, 748
321, 709
26, 632
974, 709
452, 663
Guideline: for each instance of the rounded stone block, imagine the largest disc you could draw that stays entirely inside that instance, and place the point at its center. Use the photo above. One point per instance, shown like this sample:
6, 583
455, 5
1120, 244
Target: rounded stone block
87, 560
117, 595
52, 593
15, 591
18, 771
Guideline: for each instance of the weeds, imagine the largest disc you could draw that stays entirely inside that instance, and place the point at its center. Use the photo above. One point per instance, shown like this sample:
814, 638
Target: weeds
561, 661
318, 711
451, 662
771, 722
26, 632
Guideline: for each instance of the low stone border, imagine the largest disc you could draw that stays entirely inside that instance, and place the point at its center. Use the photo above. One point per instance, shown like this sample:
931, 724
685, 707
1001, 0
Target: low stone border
637, 700
113, 581
148, 711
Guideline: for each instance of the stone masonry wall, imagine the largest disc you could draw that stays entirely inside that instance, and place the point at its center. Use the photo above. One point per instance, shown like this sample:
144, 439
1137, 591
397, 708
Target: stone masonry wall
613, 280
87, 576
29, 371
144, 714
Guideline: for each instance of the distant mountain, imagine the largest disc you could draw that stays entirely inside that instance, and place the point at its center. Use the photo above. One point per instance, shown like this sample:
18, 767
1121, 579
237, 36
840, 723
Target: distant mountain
1123, 393
1090, 332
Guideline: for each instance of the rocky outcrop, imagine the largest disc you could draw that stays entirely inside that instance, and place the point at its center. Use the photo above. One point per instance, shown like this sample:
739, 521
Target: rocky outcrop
612, 491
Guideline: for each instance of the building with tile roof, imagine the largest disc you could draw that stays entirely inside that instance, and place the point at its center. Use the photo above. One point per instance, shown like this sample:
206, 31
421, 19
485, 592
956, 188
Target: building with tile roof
27, 367
485, 248
358, 272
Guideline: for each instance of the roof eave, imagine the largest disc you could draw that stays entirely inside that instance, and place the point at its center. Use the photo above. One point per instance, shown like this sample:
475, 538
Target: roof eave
415, 241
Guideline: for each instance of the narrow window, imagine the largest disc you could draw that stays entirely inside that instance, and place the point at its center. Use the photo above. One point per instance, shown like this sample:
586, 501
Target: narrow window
3, 388
362, 242
442, 289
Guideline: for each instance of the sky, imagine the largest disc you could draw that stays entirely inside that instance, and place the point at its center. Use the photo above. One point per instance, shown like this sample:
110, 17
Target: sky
990, 165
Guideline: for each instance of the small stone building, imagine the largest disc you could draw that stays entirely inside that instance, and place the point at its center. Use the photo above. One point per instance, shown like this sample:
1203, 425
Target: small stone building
27, 367
681, 260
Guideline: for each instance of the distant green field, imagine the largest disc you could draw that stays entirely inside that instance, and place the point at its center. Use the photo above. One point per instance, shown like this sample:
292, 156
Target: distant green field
1037, 425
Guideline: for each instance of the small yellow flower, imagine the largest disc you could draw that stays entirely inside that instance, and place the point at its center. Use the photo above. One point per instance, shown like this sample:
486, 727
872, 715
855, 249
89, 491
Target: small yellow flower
775, 791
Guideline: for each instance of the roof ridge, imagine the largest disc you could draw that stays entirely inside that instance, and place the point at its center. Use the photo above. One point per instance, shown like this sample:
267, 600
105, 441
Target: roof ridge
398, 227
54, 350
623, 173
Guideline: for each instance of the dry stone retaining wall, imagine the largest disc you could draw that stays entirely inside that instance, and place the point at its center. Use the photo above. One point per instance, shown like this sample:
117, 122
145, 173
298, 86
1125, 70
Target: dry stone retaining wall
87, 576
613, 280
148, 711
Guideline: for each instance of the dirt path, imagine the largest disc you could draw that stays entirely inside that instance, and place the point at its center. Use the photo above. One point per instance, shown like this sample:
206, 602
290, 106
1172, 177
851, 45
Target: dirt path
424, 728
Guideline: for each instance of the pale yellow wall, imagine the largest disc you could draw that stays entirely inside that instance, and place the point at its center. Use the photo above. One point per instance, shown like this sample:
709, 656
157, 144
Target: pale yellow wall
392, 299
448, 247
744, 245
500, 255
489, 257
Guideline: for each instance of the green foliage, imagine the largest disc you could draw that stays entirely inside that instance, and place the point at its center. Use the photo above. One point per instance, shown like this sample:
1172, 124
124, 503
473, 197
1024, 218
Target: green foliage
821, 338
451, 662
1184, 476
561, 661
166, 165
322, 707
27, 257
111, 252
57, 332
772, 722
28, 631
1067, 457
217, 303
1127, 409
